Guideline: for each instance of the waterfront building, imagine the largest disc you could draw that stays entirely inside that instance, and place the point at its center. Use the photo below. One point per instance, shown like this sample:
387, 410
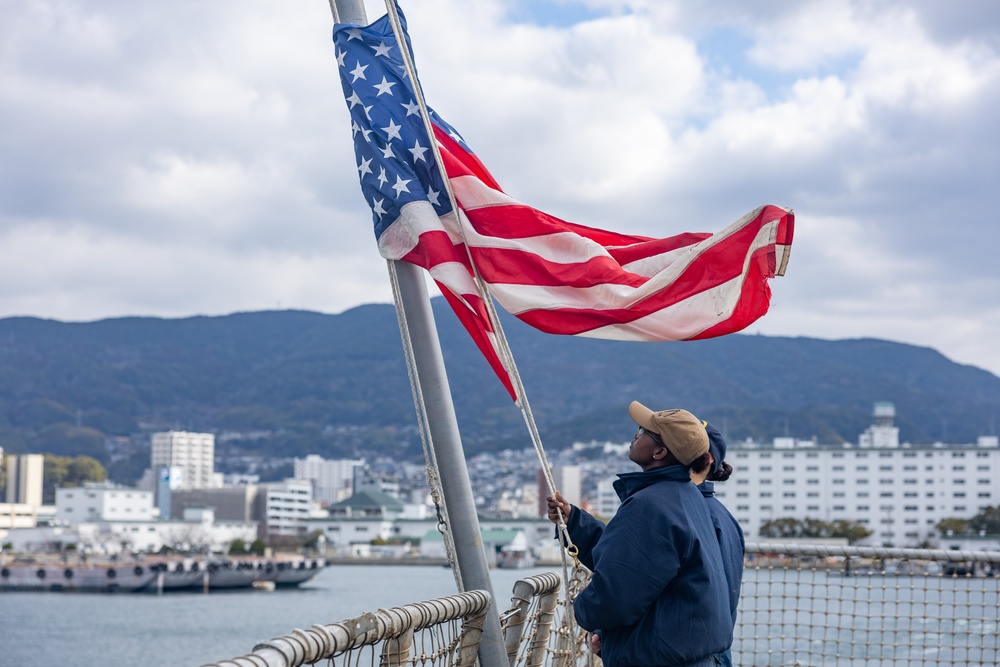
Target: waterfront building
16, 515
284, 508
198, 531
348, 534
331, 479
898, 491
25, 473
230, 503
194, 453
367, 504
103, 501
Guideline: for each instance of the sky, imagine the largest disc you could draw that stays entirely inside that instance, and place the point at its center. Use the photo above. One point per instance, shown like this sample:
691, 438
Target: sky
191, 157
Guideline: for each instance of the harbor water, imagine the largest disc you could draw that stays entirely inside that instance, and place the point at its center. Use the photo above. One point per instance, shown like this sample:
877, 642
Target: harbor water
805, 618
190, 629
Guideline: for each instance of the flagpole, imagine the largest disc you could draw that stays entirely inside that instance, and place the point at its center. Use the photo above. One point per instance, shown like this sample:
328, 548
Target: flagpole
443, 425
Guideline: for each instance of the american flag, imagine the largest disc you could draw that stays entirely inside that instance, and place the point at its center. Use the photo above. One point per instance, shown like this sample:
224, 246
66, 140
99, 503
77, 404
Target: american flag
557, 276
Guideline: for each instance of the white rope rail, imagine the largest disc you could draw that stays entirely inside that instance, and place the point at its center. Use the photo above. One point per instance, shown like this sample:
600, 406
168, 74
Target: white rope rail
324, 642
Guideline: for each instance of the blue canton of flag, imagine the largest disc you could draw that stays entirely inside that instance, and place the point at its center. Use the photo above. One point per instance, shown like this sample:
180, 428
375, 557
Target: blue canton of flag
394, 158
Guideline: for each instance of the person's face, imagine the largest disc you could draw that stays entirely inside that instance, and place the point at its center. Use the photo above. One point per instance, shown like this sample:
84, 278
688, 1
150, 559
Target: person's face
645, 451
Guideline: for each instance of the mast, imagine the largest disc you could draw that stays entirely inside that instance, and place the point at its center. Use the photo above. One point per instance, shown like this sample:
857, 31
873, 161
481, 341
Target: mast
443, 424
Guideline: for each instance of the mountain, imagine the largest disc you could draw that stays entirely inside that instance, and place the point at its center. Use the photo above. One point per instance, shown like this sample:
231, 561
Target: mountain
283, 383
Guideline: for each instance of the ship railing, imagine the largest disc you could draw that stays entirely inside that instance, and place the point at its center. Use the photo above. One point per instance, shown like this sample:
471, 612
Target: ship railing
443, 632
822, 605
539, 629
801, 605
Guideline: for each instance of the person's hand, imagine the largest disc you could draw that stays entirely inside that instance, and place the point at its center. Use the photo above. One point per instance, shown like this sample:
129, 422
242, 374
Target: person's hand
558, 504
595, 644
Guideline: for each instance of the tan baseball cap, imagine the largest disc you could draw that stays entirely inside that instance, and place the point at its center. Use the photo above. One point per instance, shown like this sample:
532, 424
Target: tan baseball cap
682, 433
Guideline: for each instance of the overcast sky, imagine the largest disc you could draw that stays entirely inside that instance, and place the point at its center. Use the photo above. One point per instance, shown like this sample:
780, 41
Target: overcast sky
194, 156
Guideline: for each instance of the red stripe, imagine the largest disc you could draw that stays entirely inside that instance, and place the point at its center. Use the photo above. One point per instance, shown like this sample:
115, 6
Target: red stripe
475, 326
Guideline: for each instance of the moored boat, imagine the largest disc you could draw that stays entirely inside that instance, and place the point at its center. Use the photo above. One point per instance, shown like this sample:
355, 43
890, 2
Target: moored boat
161, 575
104, 578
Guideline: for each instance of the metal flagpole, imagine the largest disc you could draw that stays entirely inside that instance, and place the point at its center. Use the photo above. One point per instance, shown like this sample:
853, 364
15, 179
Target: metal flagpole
443, 425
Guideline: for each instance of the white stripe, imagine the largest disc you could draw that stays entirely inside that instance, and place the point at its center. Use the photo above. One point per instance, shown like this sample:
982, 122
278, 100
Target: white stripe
473, 194
682, 320
518, 299
415, 218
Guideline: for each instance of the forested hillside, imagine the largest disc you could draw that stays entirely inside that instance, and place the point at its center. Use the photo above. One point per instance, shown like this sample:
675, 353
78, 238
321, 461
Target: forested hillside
292, 383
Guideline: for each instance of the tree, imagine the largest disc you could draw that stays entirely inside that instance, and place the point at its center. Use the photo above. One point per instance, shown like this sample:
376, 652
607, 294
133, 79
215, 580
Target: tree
789, 527
986, 522
237, 546
63, 471
258, 547
852, 530
952, 526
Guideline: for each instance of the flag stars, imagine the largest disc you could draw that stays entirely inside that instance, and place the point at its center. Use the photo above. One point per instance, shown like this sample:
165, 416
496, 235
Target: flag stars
412, 108
384, 88
400, 187
432, 196
392, 131
383, 50
353, 99
340, 58
368, 114
354, 33
418, 151
387, 152
364, 167
382, 178
359, 72
377, 207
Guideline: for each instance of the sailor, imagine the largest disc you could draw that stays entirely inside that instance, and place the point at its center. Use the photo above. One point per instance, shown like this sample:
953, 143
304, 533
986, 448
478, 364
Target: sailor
727, 529
658, 595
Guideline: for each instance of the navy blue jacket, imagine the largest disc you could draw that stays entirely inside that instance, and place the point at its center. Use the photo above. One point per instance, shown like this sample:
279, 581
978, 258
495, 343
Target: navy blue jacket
659, 593
730, 536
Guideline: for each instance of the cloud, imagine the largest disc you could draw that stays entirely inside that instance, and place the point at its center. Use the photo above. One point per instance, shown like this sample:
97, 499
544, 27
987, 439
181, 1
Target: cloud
183, 158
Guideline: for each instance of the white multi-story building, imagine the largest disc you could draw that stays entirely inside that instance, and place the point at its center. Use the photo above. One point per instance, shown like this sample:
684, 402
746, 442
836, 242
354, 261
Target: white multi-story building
897, 491
331, 479
24, 479
103, 502
286, 507
194, 453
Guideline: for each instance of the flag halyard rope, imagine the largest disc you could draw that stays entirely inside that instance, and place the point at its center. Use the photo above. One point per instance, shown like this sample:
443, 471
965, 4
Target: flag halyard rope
506, 356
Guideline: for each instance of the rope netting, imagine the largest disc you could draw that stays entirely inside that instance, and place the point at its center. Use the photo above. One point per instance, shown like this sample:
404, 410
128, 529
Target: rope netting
830, 606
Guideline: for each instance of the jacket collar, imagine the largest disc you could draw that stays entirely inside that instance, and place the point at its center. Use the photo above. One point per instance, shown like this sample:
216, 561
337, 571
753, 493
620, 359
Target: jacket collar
630, 482
707, 489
